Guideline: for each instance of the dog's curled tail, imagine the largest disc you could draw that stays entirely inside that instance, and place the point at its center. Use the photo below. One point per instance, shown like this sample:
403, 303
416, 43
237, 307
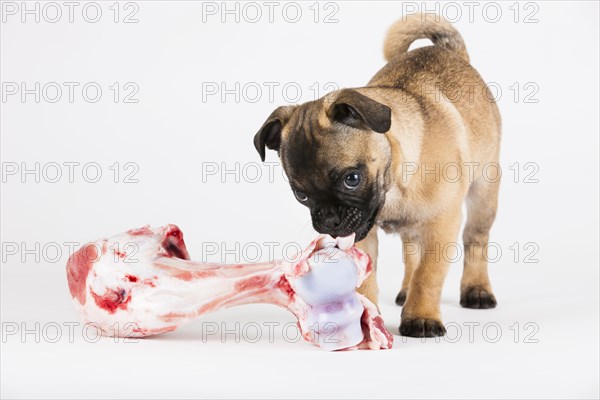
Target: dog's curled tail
423, 26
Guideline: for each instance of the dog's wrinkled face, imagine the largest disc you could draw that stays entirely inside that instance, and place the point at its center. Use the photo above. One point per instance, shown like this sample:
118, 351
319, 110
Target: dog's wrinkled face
335, 157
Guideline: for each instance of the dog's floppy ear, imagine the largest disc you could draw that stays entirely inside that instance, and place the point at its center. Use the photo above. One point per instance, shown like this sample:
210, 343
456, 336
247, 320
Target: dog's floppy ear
269, 134
358, 111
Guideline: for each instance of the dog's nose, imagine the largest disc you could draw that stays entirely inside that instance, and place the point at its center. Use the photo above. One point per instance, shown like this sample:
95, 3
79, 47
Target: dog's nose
331, 221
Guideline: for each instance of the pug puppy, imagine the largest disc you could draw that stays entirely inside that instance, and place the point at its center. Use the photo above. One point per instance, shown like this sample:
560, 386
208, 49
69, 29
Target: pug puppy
403, 153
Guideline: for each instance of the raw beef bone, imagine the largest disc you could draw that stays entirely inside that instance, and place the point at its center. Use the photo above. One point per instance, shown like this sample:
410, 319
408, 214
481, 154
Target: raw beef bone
143, 283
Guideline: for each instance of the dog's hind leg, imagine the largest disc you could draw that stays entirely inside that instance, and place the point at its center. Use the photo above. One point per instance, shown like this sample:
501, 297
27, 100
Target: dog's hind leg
482, 202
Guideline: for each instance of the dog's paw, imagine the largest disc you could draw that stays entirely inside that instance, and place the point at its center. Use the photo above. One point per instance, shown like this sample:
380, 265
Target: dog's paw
421, 327
401, 298
477, 297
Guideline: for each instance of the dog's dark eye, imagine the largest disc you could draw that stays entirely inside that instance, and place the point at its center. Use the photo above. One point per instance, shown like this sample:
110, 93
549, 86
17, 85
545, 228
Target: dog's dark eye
352, 180
301, 196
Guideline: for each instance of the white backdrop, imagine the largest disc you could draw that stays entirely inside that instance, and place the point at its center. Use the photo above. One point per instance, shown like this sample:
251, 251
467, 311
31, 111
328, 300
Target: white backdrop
163, 99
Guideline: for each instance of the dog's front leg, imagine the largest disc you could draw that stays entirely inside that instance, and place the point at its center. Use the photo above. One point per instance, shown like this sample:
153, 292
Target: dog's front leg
421, 315
370, 245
